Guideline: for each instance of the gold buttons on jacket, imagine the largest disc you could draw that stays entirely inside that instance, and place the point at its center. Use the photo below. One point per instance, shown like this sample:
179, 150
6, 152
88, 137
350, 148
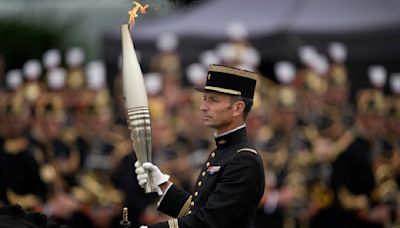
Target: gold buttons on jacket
196, 194
208, 164
190, 212
203, 174
199, 183
213, 154
192, 204
221, 142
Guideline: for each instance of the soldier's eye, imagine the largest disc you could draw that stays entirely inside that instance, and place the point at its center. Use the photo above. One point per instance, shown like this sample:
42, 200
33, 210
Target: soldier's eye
214, 99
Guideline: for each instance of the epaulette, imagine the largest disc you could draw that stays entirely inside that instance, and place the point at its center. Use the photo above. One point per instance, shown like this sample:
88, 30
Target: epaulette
25, 201
351, 201
14, 146
247, 150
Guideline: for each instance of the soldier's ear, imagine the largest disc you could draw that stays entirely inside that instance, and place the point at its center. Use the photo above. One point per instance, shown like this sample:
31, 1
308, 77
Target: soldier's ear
238, 108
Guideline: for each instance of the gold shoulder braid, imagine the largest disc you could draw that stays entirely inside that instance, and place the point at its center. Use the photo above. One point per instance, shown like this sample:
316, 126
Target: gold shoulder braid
186, 207
173, 223
14, 146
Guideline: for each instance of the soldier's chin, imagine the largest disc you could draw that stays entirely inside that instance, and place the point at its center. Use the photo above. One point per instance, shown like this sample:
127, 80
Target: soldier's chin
208, 123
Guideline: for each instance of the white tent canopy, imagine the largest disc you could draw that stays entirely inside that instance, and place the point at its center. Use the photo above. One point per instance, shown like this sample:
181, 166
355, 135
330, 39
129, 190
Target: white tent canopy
263, 17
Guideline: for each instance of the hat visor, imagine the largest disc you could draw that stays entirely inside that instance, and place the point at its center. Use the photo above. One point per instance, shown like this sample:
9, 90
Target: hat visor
219, 90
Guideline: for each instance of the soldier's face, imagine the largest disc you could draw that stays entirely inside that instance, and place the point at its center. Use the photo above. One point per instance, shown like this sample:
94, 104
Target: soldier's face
217, 110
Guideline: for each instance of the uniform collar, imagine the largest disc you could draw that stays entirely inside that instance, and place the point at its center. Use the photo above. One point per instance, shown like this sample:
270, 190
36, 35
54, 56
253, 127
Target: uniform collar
228, 138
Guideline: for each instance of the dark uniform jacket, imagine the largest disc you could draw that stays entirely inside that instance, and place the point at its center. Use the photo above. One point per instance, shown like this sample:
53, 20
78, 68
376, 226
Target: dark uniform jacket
227, 192
20, 171
353, 171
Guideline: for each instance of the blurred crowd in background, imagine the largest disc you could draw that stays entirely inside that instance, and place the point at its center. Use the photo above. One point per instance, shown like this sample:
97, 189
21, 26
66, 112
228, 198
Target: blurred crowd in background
65, 148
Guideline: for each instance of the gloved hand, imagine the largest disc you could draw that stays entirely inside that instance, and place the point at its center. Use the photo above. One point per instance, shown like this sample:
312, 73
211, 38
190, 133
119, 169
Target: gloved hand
157, 176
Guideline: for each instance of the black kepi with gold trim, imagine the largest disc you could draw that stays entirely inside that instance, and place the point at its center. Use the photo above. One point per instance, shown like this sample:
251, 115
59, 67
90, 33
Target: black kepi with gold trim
230, 80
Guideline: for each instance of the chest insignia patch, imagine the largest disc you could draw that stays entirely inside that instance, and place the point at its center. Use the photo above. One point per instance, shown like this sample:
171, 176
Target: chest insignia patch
213, 169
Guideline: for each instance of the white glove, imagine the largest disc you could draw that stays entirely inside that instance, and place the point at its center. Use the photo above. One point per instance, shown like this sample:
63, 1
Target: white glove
157, 176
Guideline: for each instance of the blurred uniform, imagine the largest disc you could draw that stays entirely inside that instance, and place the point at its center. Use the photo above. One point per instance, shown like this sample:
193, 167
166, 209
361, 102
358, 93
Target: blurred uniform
338, 89
285, 153
75, 79
168, 64
55, 144
387, 171
233, 52
33, 88
167, 61
333, 139
101, 148
353, 176
22, 181
16, 217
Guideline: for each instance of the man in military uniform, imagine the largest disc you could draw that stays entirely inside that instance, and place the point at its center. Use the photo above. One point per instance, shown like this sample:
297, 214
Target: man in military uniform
231, 183
284, 151
353, 177
21, 182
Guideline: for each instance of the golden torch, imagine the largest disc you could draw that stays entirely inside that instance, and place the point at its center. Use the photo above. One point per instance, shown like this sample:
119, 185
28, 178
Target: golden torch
136, 104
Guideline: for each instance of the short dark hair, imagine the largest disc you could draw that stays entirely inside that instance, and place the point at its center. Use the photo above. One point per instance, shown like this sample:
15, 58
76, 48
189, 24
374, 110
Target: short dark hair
248, 103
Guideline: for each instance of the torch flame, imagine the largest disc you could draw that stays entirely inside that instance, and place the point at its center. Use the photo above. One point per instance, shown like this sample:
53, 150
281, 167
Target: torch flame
133, 12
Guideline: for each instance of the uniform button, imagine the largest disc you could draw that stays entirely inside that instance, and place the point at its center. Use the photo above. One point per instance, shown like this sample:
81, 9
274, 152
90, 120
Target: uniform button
192, 204
203, 174
196, 194
199, 183
208, 164
190, 212
213, 154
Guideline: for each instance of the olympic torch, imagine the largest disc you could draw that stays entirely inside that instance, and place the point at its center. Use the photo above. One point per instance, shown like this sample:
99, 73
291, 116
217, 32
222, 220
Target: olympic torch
136, 104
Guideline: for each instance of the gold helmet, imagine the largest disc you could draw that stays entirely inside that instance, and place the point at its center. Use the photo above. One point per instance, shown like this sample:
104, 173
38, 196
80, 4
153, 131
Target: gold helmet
50, 106
338, 76
370, 101
13, 105
393, 107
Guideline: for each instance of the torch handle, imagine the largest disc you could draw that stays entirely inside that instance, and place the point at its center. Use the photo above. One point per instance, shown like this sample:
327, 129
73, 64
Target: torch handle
148, 188
139, 124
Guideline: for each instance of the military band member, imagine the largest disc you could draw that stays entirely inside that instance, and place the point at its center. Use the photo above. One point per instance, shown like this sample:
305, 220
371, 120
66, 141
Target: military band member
285, 197
167, 61
23, 183
231, 183
55, 145
33, 88
353, 178
312, 85
75, 79
338, 89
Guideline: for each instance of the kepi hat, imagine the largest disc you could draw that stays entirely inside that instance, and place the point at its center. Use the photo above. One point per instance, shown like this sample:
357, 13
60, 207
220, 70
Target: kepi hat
231, 81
